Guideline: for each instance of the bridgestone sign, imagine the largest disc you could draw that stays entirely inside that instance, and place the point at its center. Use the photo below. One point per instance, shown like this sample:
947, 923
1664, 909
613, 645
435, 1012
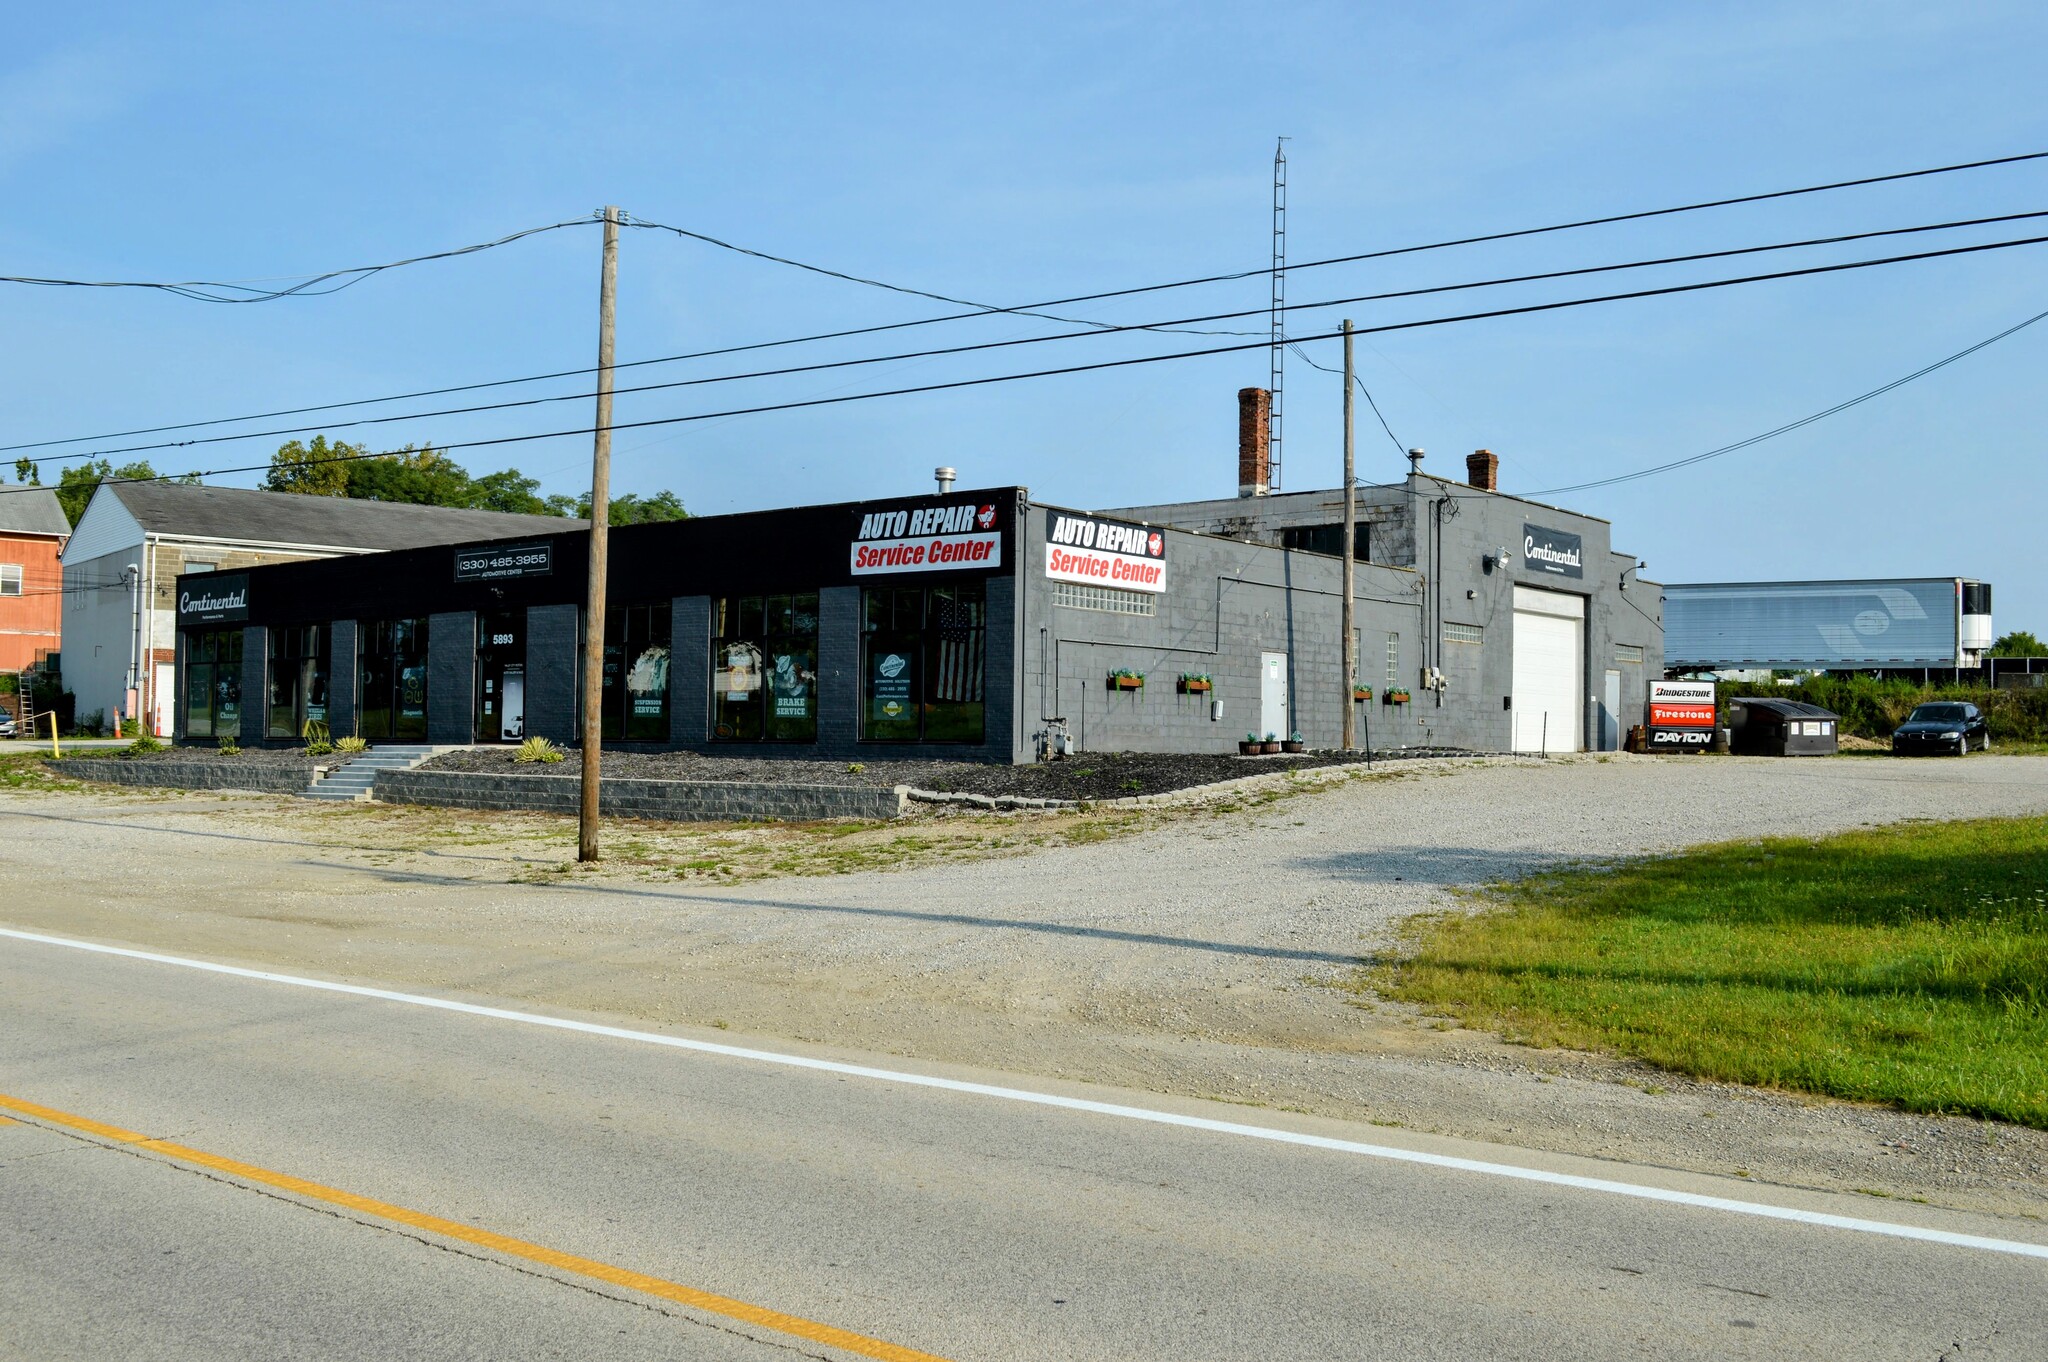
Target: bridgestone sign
1680, 716
1097, 552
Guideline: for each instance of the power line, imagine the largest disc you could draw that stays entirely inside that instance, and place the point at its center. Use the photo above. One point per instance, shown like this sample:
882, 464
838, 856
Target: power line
986, 380
1303, 356
1790, 426
1053, 302
198, 290
990, 308
1100, 329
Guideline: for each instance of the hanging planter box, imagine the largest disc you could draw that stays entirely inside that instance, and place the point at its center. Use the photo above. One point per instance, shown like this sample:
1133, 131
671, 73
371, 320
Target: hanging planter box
1196, 684
1360, 694
1127, 680
1396, 697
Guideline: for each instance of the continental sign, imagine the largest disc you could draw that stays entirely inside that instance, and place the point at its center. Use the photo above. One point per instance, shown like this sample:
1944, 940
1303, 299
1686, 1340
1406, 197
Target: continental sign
1097, 552
938, 537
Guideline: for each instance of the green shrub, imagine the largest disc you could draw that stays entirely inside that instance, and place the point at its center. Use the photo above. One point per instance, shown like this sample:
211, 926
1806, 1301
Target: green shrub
1871, 707
319, 749
228, 748
352, 747
539, 750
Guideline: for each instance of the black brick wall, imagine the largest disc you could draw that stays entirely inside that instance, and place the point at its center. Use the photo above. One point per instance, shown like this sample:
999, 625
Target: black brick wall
552, 637
341, 680
451, 676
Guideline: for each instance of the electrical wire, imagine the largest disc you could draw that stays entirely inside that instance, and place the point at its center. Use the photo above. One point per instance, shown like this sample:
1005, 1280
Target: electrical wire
197, 290
1304, 357
990, 379
1053, 302
1100, 330
992, 308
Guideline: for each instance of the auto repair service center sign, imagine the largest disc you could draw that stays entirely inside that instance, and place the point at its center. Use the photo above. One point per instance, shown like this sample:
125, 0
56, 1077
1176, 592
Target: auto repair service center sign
938, 536
1097, 552
1680, 715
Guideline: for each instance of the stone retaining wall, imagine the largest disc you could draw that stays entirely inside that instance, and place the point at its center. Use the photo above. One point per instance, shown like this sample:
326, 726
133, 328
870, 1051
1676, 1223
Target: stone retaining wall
669, 800
261, 777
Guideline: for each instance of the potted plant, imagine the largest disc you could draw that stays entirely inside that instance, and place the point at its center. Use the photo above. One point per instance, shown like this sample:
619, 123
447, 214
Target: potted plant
1294, 743
1397, 696
1250, 746
1195, 683
1360, 694
1271, 746
1123, 678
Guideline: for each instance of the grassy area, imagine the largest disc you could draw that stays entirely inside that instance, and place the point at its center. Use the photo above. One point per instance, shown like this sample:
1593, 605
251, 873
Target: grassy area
1906, 965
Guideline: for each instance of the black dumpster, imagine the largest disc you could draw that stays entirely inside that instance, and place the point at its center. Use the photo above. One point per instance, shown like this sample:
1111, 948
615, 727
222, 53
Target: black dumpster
1768, 727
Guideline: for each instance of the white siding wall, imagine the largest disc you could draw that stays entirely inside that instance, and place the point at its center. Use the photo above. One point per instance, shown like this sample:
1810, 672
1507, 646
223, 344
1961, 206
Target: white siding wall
97, 629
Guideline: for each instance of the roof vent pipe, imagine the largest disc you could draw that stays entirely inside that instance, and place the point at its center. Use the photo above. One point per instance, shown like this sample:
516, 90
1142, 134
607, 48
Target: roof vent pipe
1415, 461
945, 477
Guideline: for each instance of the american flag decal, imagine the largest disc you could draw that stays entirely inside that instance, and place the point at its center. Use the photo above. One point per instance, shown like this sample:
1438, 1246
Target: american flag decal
962, 644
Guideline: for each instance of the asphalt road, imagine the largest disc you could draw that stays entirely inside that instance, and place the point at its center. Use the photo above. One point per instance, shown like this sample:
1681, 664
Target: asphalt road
956, 1223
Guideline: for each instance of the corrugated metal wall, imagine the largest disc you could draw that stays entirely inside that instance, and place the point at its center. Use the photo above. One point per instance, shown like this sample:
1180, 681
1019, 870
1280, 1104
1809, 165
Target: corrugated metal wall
1906, 622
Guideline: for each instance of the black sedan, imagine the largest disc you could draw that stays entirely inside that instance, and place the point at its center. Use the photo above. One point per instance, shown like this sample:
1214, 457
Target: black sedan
1947, 726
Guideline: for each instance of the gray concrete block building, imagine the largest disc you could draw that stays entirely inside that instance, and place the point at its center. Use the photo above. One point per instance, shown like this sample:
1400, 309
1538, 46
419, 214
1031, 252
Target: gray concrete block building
968, 624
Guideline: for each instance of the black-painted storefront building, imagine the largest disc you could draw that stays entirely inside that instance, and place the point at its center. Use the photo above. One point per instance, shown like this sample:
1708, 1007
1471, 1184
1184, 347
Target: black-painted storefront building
818, 631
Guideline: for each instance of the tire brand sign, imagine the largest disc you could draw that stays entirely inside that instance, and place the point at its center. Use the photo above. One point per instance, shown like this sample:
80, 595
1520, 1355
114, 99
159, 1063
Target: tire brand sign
940, 536
1553, 551
1680, 715
216, 601
1097, 552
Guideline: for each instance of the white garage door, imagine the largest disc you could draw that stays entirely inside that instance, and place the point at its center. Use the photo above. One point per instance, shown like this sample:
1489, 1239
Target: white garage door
1550, 677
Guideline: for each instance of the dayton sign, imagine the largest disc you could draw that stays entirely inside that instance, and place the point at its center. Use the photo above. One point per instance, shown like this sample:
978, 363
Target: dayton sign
1097, 552
1681, 715
928, 538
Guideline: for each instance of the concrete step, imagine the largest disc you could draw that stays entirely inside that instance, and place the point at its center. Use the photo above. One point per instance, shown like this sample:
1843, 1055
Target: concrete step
355, 781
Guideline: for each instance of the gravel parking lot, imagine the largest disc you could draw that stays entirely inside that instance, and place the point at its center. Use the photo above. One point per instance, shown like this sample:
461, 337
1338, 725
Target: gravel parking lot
1196, 953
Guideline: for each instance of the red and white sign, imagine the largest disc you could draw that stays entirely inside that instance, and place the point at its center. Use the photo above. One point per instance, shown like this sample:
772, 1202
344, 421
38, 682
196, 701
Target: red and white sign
1681, 704
928, 539
1097, 552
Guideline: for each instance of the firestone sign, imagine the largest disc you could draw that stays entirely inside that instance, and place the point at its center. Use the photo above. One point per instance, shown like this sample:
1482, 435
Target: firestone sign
214, 602
1681, 715
1097, 552
940, 537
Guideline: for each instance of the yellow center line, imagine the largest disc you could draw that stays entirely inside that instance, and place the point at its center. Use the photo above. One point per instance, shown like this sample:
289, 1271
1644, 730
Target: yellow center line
844, 1339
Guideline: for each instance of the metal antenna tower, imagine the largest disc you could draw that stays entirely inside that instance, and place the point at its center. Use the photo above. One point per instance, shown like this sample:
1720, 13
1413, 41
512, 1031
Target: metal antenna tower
1279, 314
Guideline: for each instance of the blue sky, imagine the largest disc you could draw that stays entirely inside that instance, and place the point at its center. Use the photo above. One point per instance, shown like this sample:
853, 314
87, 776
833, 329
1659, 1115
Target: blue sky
1010, 155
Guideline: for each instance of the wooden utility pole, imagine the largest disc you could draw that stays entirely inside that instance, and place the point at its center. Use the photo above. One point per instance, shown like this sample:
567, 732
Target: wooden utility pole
1350, 553
600, 516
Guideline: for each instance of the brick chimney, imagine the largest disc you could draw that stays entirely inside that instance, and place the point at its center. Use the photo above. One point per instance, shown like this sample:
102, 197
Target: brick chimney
1254, 436
1482, 470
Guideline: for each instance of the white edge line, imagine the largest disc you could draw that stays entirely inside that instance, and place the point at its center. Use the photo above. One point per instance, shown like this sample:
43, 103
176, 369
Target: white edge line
1165, 1118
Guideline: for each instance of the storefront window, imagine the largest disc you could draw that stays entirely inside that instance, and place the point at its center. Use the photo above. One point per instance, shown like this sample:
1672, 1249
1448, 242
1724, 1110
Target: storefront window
764, 668
924, 654
636, 661
213, 683
298, 681
392, 700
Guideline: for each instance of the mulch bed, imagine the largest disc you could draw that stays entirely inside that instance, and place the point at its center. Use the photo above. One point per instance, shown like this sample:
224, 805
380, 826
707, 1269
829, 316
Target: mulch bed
1091, 775
253, 756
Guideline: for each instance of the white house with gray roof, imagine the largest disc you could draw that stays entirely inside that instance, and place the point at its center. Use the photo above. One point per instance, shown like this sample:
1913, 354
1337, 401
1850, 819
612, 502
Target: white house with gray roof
120, 627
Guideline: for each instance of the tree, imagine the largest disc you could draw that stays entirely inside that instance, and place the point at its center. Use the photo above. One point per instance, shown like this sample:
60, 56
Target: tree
75, 485
634, 509
317, 469
2019, 643
428, 477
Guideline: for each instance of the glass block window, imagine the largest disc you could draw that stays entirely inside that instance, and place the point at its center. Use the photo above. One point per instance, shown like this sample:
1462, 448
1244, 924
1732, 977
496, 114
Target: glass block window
1463, 633
1077, 596
1393, 659
1629, 654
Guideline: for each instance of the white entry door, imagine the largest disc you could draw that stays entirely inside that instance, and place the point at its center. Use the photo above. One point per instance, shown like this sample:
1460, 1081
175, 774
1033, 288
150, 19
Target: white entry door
1549, 699
163, 695
1273, 694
